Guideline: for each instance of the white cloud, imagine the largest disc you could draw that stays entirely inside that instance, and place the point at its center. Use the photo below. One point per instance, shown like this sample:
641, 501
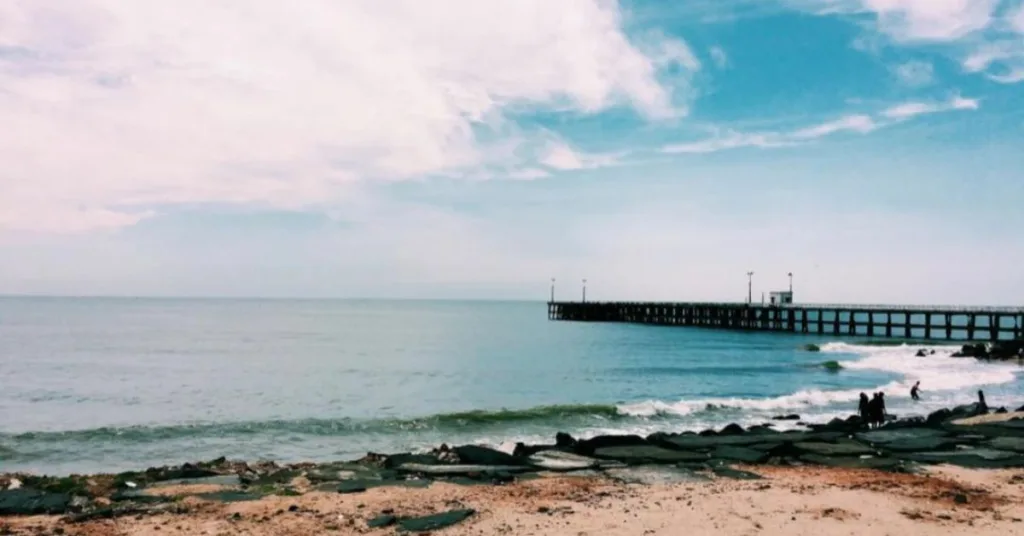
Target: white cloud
933, 20
558, 155
719, 57
861, 124
855, 123
111, 108
1016, 19
915, 73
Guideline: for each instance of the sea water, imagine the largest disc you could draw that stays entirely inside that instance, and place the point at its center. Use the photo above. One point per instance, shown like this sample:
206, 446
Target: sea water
89, 384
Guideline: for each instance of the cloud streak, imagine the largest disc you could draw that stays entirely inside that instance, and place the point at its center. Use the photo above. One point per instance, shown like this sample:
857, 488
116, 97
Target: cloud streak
851, 124
114, 109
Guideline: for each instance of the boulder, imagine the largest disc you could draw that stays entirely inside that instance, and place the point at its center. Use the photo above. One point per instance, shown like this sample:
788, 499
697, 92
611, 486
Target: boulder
739, 454
396, 460
522, 450
555, 460
852, 462
476, 455
565, 440
28, 501
643, 454
886, 436
732, 429
922, 353
972, 458
979, 351
936, 418
1006, 349
840, 448
381, 521
435, 521
790, 417
1015, 444
459, 469
735, 474
587, 447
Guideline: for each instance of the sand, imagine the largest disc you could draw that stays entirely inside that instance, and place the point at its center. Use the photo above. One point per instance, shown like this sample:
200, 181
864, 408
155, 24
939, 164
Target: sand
789, 501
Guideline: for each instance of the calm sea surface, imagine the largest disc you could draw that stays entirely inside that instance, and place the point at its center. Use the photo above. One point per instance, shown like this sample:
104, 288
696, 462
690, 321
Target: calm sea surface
112, 384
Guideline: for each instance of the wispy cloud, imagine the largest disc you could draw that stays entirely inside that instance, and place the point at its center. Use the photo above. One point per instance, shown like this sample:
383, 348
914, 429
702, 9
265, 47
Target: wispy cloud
854, 123
915, 73
561, 156
719, 57
150, 104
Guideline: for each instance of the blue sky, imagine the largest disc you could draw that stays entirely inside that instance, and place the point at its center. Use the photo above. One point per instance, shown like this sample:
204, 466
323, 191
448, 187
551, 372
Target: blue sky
476, 149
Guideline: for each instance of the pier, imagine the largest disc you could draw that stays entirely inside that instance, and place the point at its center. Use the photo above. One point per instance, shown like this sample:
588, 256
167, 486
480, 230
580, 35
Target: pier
950, 323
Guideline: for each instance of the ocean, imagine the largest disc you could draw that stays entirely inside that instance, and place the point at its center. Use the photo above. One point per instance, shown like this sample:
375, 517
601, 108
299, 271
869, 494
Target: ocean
92, 384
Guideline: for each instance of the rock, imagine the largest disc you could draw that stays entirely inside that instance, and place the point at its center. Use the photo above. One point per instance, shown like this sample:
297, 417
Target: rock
1006, 349
979, 351
587, 447
28, 501
884, 436
852, 462
1020, 409
655, 475
732, 429
435, 521
739, 454
381, 521
564, 440
924, 444
523, 450
454, 470
967, 411
938, 417
641, 454
556, 460
186, 471
351, 486
475, 455
735, 474
812, 348
1000, 411
1015, 444
960, 498
842, 448
396, 460
790, 417
231, 496
921, 353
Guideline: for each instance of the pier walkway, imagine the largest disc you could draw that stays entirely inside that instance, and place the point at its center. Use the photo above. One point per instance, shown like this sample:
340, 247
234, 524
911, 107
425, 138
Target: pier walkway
891, 321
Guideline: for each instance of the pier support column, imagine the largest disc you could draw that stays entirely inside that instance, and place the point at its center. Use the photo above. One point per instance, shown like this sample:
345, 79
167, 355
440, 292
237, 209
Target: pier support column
949, 326
888, 324
927, 325
906, 325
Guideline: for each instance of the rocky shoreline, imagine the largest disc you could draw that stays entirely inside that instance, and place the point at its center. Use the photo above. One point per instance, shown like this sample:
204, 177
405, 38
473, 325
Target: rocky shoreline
967, 436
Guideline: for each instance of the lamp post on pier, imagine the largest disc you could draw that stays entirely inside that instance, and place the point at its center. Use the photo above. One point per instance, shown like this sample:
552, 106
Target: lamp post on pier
790, 282
584, 291
552, 290
750, 287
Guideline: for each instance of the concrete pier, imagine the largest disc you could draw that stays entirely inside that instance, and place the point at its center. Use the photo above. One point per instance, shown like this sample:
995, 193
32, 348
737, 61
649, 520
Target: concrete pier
949, 323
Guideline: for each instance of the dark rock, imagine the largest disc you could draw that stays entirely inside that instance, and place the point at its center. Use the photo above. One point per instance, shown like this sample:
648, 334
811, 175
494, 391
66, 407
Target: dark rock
1020, 409
137, 496
178, 473
735, 474
523, 450
835, 425
351, 486
885, 436
739, 454
587, 447
732, 429
563, 439
112, 512
381, 521
922, 353
852, 462
231, 496
435, 521
396, 460
1015, 444
642, 454
790, 417
842, 448
28, 501
938, 417
812, 348
475, 455
707, 433
1006, 349
960, 498
1000, 411
971, 458
967, 411
924, 444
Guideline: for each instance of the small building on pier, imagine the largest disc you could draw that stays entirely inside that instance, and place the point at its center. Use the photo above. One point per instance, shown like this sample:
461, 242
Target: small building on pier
780, 297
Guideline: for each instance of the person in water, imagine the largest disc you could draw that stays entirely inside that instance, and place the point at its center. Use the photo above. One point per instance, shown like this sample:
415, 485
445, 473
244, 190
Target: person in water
865, 414
914, 391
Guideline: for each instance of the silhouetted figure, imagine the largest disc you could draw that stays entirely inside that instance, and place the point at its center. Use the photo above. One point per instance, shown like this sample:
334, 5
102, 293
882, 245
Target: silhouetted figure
981, 402
875, 411
881, 406
914, 391
862, 408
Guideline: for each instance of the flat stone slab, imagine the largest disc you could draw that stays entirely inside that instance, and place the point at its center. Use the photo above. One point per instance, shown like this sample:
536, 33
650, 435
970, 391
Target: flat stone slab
435, 521
476, 455
697, 442
841, 448
981, 458
27, 501
641, 454
556, 460
852, 462
460, 470
735, 474
381, 521
883, 437
924, 444
1015, 444
653, 475
230, 496
219, 480
740, 454
361, 484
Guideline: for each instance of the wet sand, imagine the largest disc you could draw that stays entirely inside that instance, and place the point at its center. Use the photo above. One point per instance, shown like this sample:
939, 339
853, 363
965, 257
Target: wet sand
788, 501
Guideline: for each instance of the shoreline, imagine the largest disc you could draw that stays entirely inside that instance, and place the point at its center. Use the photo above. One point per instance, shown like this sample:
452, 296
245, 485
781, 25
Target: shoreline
967, 436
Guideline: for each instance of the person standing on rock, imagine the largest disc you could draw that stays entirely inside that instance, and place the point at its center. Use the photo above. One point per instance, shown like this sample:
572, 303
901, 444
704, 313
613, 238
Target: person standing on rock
863, 409
914, 391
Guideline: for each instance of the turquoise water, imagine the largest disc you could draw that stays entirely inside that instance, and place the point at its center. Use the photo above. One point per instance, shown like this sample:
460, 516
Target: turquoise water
110, 384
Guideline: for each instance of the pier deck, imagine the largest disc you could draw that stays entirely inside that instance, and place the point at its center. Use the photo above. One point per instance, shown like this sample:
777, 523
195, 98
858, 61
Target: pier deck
949, 323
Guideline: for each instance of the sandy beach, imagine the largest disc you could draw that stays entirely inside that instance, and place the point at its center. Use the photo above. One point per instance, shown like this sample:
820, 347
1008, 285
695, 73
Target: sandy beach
806, 500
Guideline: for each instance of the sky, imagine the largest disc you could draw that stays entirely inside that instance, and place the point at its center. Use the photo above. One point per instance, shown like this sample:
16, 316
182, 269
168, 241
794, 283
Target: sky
476, 149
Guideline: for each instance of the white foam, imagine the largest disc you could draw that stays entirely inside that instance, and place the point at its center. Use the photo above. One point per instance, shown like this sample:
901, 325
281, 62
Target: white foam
939, 373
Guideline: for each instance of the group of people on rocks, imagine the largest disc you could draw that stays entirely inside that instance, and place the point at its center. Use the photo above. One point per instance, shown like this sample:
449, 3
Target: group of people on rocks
872, 411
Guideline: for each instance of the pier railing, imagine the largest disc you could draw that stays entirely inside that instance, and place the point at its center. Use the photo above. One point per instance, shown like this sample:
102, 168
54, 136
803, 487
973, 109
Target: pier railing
928, 322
